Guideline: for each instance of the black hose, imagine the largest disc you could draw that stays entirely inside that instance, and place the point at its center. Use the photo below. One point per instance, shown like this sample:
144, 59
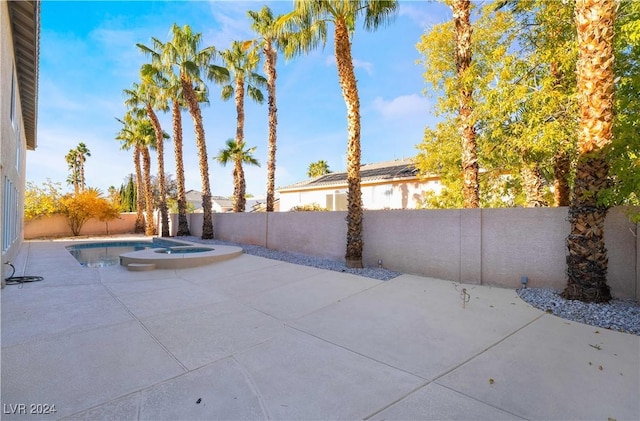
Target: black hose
14, 280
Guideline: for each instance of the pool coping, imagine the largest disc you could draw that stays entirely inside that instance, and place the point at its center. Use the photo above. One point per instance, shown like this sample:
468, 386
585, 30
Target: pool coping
153, 259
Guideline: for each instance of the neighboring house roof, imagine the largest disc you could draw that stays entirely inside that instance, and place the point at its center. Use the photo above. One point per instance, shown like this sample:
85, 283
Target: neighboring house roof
223, 202
401, 169
25, 25
195, 197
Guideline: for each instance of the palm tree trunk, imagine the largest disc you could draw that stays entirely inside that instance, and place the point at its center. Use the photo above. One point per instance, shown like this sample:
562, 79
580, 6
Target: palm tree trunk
194, 110
239, 186
532, 185
346, 75
183, 225
139, 226
164, 218
587, 260
561, 170
270, 70
146, 165
470, 188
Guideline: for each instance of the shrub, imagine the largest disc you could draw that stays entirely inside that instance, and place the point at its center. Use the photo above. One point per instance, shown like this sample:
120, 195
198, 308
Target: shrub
309, 207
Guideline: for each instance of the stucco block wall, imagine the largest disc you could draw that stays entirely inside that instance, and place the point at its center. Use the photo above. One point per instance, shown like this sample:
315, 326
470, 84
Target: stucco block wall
484, 246
414, 241
245, 228
519, 242
57, 226
319, 234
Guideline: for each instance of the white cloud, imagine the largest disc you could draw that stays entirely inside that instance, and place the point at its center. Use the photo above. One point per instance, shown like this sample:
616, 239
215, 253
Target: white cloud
404, 106
425, 14
358, 64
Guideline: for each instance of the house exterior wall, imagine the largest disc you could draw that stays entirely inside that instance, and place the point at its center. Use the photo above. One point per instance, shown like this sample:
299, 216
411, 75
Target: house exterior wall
398, 194
13, 147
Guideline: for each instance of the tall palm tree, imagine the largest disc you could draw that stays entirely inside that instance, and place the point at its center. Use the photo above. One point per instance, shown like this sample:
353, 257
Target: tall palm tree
138, 132
264, 24
149, 95
130, 139
237, 152
172, 87
184, 52
82, 152
72, 162
461, 17
241, 61
311, 18
587, 259
75, 160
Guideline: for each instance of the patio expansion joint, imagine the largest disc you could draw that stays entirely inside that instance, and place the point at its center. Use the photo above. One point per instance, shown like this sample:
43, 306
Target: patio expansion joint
455, 367
142, 325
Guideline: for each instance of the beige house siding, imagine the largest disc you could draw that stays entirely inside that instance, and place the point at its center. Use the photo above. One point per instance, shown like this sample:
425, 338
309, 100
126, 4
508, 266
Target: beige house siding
17, 97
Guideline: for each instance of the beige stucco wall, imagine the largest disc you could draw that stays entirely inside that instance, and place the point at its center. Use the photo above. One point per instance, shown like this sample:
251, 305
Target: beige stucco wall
13, 142
57, 226
484, 246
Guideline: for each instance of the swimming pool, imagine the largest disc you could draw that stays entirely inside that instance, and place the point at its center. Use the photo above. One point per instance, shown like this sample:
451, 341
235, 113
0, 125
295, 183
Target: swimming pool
107, 253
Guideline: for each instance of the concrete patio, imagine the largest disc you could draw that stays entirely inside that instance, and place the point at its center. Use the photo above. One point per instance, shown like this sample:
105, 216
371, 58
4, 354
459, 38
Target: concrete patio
253, 338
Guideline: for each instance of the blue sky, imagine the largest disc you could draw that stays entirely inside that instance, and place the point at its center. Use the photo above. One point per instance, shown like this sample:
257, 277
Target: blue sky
88, 55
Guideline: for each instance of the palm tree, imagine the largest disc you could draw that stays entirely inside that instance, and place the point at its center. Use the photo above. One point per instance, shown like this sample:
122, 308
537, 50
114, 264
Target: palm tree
263, 23
130, 139
237, 152
82, 152
74, 178
587, 259
311, 18
172, 87
461, 17
138, 133
184, 52
241, 61
150, 96
75, 160
318, 168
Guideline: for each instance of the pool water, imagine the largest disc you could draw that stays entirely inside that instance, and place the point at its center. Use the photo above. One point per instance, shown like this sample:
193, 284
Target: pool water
96, 255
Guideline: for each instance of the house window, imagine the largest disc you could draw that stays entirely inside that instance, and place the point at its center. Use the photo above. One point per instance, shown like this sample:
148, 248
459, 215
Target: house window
9, 214
336, 201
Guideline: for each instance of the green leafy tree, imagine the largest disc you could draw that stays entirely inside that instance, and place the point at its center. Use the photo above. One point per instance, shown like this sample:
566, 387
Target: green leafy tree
41, 201
128, 196
624, 152
307, 25
463, 92
318, 168
237, 152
